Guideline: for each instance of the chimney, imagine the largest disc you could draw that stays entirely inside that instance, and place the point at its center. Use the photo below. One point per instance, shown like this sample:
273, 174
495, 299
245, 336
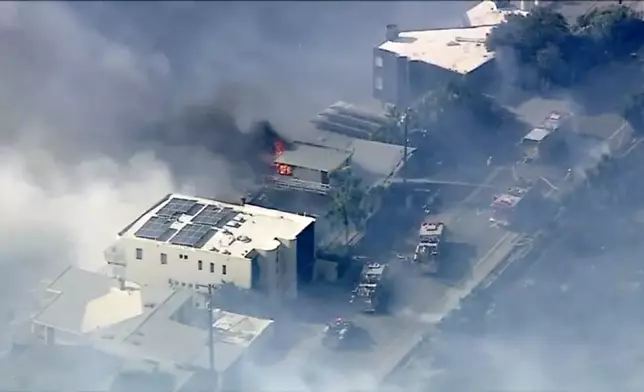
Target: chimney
392, 32
243, 200
121, 283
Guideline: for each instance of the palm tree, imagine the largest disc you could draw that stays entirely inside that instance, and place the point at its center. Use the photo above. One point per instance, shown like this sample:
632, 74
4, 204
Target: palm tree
391, 132
347, 205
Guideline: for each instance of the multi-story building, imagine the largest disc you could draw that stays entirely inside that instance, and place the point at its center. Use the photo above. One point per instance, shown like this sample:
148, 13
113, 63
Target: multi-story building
193, 242
409, 63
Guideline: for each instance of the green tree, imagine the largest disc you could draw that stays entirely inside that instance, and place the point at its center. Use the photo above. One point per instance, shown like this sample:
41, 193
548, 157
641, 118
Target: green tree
347, 201
615, 31
551, 53
541, 41
456, 106
634, 111
392, 132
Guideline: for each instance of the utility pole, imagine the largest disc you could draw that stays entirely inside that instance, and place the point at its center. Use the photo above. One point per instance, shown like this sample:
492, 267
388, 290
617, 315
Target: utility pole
211, 335
405, 123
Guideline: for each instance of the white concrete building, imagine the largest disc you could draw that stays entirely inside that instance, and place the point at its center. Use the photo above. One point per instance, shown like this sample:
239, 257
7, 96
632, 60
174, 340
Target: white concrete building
158, 327
492, 13
191, 242
410, 63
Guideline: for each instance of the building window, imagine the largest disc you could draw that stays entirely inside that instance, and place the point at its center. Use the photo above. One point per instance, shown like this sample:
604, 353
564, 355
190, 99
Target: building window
164, 258
200, 265
378, 61
185, 257
378, 83
284, 170
212, 268
181, 256
223, 270
139, 254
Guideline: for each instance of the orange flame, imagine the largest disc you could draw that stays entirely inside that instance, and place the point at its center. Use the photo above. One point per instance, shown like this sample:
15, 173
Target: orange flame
279, 148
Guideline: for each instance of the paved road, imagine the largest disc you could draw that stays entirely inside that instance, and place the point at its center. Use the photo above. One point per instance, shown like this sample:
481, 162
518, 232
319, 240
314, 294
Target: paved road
569, 320
420, 301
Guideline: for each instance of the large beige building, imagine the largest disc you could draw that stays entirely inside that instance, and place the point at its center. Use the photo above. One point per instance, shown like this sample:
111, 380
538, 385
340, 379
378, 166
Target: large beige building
191, 242
410, 63
160, 328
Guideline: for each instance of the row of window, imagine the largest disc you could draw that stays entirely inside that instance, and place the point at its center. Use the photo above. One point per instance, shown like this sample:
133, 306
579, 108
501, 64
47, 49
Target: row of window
164, 260
378, 82
212, 267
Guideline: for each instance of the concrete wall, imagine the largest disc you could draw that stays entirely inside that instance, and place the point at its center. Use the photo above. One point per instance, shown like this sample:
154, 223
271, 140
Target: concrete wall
277, 267
402, 81
182, 265
390, 76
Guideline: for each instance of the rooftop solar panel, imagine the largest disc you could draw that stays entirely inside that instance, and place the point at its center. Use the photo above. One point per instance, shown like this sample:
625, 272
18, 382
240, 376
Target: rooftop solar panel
193, 235
194, 209
176, 206
215, 216
154, 228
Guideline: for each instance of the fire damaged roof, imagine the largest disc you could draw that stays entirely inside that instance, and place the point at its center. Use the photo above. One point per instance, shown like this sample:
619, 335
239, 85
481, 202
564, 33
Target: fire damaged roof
372, 161
313, 157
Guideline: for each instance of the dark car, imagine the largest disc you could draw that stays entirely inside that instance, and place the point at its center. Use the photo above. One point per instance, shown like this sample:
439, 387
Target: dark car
338, 333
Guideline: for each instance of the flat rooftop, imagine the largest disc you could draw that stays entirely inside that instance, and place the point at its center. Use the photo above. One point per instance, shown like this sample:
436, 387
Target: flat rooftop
313, 157
431, 228
486, 13
537, 135
200, 223
372, 161
85, 307
459, 50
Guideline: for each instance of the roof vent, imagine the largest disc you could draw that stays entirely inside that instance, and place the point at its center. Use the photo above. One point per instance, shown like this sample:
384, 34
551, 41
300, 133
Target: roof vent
453, 43
470, 40
244, 238
393, 32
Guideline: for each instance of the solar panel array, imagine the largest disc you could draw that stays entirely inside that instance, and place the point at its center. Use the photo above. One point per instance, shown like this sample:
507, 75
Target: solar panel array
154, 228
176, 206
193, 235
215, 216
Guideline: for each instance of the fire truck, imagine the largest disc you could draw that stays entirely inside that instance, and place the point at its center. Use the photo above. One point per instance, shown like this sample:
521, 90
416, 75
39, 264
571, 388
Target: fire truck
429, 246
505, 207
369, 293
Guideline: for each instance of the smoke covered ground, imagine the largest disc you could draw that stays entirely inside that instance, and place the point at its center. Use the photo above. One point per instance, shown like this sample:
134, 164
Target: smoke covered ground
569, 319
92, 94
